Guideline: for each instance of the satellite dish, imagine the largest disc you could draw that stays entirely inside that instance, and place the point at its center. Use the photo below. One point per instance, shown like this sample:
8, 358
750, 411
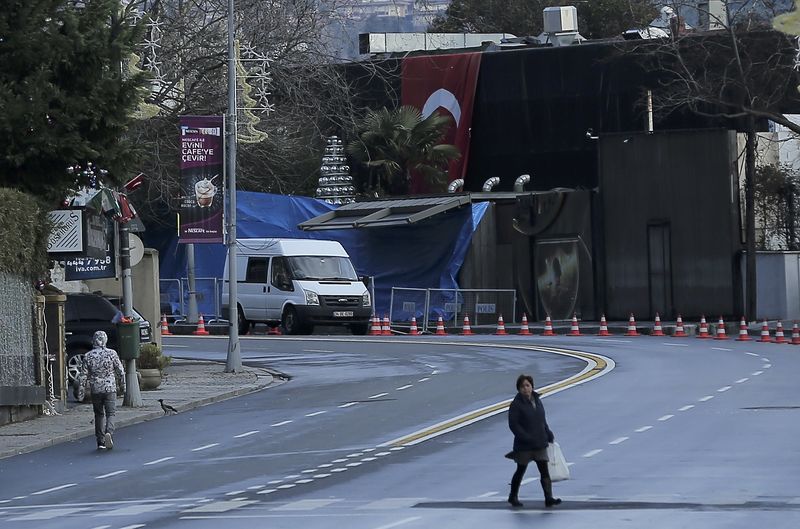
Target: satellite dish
137, 248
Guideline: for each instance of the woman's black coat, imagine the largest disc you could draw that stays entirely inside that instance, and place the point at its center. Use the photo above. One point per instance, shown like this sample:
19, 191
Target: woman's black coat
528, 423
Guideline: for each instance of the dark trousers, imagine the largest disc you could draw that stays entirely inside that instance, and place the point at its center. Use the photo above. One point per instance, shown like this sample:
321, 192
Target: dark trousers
544, 475
105, 406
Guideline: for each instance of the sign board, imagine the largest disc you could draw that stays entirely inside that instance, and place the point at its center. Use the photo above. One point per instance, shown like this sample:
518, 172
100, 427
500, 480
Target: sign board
136, 249
485, 308
202, 175
96, 234
409, 306
67, 234
84, 267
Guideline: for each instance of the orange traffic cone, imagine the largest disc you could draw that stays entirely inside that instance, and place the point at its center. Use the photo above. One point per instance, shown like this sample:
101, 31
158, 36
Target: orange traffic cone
376, 326
440, 327
765, 332
721, 330
466, 330
795, 334
201, 327
501, 327
631, 327
744, 336
548, 327
680, 332
574, 329
703, 331
603, 326
525, 330
386, 330
414, 331
779, 337
657, 331
164, 326
274, 331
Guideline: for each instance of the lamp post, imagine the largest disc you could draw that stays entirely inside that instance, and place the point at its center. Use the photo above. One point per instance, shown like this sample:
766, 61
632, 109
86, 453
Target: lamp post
234, 359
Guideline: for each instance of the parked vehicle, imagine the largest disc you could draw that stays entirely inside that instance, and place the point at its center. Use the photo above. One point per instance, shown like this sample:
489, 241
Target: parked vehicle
297, 283
85, 314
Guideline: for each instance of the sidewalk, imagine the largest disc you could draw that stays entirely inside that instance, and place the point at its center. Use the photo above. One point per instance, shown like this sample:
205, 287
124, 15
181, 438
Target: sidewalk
187, 384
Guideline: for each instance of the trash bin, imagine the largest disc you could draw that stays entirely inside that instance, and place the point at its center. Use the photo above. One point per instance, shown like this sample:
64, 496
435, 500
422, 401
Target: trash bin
128, 348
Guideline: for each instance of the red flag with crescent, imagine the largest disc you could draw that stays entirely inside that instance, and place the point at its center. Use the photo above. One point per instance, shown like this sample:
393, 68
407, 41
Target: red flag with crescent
444, 84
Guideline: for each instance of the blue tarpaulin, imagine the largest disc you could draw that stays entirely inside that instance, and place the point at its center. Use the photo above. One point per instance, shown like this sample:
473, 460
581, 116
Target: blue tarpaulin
427, 254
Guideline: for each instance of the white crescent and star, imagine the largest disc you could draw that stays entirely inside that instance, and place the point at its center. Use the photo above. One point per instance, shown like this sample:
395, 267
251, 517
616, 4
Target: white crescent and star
442, 99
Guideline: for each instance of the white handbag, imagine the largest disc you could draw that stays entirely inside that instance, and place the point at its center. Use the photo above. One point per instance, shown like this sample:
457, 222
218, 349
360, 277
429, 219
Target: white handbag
559, 471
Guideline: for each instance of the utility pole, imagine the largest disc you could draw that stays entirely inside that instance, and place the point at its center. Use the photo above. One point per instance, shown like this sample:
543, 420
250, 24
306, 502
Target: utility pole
133, 397
234, 360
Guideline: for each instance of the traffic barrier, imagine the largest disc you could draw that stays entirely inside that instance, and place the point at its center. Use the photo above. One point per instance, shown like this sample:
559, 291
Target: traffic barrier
603, 326
631, 327
779, 336
201, 327
721, 330
376, 326
525, 330
501, 326
574, 329
765, 332
414, 331
795, 334
548, 327
703, 330
386, 328
657, 331
440, 327
744, 336
164, 326
680, 332
466, 330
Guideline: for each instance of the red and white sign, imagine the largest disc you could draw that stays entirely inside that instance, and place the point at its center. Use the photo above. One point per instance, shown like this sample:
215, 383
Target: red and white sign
444, 84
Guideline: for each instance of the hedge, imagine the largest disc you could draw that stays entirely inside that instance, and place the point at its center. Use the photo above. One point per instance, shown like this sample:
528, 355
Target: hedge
24, 229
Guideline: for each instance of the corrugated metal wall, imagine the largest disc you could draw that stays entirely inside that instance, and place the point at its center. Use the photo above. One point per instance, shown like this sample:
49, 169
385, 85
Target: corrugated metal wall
679, 187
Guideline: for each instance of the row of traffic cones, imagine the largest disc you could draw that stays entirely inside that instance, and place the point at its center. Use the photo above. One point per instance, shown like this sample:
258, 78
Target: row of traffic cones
200, 331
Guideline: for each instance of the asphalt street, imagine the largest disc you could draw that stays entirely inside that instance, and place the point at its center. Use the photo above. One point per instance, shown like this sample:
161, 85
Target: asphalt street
410, 433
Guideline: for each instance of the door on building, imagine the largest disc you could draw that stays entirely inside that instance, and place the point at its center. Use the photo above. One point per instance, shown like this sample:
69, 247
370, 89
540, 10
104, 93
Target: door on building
659, 268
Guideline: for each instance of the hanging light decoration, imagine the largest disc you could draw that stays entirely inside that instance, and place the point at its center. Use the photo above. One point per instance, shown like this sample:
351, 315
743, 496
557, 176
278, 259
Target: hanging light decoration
335, 183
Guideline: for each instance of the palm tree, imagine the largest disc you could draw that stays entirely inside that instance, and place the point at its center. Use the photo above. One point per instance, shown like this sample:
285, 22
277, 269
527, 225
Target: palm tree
396, 142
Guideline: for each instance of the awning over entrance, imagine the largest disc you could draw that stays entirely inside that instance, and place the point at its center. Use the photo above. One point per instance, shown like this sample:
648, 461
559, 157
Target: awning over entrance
380, 213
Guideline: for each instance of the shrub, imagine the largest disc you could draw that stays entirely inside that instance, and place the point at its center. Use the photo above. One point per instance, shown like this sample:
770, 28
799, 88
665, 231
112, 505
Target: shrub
150, 357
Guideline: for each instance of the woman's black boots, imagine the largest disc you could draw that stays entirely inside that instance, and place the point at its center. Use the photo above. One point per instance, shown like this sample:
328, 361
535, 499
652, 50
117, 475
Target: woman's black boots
513, 498
547, 487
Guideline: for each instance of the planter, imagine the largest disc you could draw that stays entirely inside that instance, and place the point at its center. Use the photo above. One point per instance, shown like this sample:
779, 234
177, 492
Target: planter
149, 379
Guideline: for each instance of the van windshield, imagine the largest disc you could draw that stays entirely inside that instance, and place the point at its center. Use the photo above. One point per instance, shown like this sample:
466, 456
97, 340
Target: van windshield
319, 268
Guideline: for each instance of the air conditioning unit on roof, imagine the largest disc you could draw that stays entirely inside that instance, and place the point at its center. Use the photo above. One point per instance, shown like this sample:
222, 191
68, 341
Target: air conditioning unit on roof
560, 19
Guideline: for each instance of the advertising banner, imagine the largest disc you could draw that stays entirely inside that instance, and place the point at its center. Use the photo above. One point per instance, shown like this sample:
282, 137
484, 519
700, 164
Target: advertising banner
94, 267
202, 177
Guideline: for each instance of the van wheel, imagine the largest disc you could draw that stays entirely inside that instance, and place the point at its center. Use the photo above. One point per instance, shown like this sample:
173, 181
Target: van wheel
242, 322
292, 324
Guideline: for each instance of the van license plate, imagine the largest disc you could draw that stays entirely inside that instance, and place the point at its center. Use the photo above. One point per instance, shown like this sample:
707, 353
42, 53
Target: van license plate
343, 314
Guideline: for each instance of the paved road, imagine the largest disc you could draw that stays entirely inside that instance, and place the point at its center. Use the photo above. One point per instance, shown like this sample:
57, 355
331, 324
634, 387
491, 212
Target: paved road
679, 433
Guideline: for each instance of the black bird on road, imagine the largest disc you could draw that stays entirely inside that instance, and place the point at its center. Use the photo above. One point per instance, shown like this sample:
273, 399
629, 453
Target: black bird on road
166, 407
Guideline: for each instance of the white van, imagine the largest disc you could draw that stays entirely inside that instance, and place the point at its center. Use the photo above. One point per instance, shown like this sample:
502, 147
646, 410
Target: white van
298, 283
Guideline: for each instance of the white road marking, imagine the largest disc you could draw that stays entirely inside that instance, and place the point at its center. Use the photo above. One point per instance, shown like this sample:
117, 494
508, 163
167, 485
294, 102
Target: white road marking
487, 494
320, 476
593, 453
291, 476
99, 526
305, 505
281, 423
721, 349
354, 464
616, 341
340, 469
314, 414
131, 510
675, 344
390, 503
157, 461
756, 373
379, 395
221, 506
665, 417
401, 388
766, 366
274, 482
347, 405
317, 351
204, 447
303, 481
435, 372
266, 491
133, 526
48, 514
366, 459
246, 434
764, 359
235, 492
687, 407
368, 450
643, 429
618, 440
423, 379
706, 398
357, 454
45, 491
528, 480
745, 379
723, 389
255, 487
383, 454
340, 460
5, 501
325, 465
287, 486
116, 473
751, 354
396, 448
308, 471
399, 522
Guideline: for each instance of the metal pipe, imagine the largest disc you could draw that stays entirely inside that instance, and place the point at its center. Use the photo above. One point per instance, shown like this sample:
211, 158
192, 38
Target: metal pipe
490, 183
456, 186
519, 183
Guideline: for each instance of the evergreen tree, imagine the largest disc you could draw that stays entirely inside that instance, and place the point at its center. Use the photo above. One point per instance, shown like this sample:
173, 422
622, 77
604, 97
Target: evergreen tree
65, 94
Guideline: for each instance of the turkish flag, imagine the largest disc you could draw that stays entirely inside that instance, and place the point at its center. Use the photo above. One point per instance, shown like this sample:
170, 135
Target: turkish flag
444, 84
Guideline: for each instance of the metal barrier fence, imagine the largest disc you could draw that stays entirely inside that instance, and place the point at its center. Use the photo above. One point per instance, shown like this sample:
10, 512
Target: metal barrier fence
483, 306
